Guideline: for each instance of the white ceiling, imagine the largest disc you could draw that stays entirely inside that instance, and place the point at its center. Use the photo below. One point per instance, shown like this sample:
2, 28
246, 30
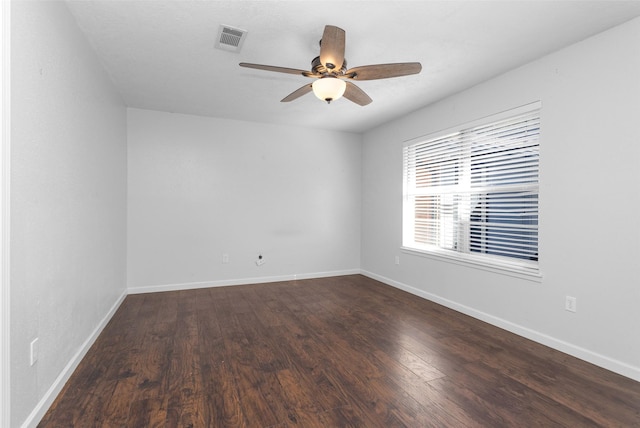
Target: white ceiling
161, 55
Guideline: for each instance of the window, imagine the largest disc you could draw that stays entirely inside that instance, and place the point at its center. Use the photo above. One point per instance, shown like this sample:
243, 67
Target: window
472, 193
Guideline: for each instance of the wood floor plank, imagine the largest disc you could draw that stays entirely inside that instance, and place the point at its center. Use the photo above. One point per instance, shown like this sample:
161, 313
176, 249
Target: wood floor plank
330, 352
221, 402
119, 406
247, 377
403, 364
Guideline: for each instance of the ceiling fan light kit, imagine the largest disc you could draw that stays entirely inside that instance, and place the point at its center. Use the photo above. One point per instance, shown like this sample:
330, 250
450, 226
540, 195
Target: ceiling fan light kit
333, 79
329, 88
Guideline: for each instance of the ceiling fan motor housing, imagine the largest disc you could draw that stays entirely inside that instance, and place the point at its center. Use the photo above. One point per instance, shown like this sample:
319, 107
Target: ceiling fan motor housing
318, 68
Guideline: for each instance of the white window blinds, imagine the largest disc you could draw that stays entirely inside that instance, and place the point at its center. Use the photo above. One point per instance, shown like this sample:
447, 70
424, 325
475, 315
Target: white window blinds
474, 191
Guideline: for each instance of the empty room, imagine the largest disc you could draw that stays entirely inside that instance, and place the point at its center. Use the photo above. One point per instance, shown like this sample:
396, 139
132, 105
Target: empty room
320, 213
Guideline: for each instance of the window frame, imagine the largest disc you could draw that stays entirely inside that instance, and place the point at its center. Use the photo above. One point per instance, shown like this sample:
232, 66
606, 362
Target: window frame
527, 269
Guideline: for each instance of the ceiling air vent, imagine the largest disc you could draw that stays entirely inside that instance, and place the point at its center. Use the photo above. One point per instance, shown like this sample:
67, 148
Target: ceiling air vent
230, 38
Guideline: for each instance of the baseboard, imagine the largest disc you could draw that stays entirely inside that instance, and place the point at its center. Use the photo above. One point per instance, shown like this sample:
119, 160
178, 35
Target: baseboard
244, 281
599, 360
47, 400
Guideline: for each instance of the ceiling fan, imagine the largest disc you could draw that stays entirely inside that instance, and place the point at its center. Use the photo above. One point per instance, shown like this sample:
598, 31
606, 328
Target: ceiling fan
333, 79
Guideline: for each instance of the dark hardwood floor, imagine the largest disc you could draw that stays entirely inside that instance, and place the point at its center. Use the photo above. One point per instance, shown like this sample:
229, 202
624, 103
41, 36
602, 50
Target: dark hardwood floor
334, 352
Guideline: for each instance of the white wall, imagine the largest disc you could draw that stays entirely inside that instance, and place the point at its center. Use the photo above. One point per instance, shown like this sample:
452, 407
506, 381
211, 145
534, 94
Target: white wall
203, 187
68, 198
5, 103
590, 196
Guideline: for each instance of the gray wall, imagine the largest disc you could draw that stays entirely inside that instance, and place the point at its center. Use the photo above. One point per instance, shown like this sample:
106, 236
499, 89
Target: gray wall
68, 197
203, 187
589, 200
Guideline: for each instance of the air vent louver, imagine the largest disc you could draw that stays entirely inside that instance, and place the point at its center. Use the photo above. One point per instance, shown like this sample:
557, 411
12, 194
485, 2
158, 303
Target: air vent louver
230, 38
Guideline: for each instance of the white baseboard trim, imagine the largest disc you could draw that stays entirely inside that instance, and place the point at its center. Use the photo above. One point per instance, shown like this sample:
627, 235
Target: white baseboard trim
47, 400
603, 361
243, 281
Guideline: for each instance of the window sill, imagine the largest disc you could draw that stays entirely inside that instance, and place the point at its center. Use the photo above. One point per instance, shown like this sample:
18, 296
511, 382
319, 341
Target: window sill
470, 262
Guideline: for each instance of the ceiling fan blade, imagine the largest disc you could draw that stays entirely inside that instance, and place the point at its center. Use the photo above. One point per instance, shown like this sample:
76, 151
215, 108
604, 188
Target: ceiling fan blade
277, 69
332, 47
357, 95
383, 71
297, 93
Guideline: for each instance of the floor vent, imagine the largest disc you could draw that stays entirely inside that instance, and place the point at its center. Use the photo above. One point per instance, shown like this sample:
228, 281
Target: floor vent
230, 38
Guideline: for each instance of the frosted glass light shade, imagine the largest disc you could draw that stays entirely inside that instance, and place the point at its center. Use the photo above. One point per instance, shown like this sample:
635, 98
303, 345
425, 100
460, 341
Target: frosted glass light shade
329, 88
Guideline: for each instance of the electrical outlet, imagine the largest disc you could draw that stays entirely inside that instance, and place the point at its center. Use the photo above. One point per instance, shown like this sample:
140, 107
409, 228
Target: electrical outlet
33, 351
225, 258
570, 304
397, 260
